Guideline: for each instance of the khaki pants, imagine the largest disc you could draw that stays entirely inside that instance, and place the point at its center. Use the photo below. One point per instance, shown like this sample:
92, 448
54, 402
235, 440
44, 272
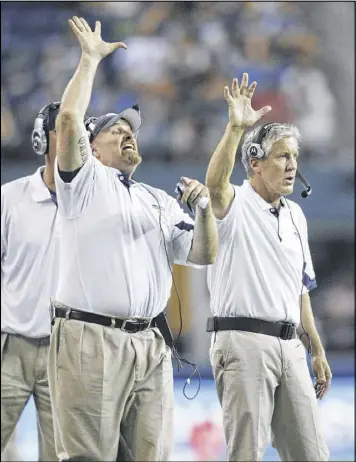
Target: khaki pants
11, 452
263, 384
24, 373
104, 381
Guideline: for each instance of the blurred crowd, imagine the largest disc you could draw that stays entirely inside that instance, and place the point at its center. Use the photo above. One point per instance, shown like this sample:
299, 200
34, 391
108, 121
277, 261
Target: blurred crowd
180, 55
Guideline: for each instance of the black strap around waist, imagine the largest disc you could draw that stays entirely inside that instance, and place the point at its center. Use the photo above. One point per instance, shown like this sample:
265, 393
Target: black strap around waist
284, 330
129, 325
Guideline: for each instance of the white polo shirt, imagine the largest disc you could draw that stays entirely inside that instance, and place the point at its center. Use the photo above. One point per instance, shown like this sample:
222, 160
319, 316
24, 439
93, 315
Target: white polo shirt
113, 255
256, 274
29, 256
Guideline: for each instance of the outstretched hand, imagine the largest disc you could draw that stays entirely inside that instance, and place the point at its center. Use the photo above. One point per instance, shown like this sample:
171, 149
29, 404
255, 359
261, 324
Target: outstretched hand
241, 113
91, 42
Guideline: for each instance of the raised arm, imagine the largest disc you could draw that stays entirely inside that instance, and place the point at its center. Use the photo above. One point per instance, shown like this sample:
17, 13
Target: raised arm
72, 140
241, 115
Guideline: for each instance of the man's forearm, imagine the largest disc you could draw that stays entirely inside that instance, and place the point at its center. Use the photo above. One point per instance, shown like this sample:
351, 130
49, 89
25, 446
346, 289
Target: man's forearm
76, 97
223, 159
205, 241
310, 328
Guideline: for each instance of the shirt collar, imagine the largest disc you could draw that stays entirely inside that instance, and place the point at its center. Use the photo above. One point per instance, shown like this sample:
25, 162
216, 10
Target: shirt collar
251, 192
40, 192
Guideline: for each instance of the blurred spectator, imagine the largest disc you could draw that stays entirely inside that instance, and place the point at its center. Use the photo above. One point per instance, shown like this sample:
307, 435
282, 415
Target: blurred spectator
310, 99
180, 55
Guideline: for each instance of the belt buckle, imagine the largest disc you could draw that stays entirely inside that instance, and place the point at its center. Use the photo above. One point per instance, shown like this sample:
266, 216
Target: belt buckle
287, 331
138, 323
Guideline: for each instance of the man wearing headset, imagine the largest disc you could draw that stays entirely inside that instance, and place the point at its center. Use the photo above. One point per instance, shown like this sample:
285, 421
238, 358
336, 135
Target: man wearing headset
109, 365
259, 288
29, 248
29, 252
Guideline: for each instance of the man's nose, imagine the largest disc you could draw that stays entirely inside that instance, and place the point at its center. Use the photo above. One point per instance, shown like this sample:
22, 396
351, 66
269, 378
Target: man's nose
292, 164
128, 136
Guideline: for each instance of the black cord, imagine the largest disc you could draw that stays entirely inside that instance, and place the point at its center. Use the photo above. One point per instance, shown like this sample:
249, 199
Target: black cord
301, 290
175, 353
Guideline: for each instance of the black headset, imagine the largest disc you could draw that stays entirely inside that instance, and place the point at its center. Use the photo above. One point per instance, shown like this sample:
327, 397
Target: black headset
39, 138
255, 151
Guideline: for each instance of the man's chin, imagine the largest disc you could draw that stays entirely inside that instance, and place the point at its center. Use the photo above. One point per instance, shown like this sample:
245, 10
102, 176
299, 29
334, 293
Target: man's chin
132, 158
287, 190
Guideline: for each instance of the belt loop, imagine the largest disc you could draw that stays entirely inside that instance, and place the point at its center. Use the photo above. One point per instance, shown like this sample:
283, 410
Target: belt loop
215, 318
68, 313
113, 322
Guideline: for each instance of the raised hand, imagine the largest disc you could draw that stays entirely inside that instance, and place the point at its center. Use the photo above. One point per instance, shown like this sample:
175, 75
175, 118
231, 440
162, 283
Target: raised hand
91, 42
241, 113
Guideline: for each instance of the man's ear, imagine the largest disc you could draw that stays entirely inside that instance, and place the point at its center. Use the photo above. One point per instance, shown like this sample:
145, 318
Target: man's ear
255, 165
95, 150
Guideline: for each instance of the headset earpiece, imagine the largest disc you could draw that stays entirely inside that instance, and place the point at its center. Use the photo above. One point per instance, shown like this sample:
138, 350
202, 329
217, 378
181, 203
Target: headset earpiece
255, 151
39, 137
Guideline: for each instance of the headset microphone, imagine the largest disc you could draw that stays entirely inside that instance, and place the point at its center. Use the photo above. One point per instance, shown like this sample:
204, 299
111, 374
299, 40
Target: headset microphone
308, 189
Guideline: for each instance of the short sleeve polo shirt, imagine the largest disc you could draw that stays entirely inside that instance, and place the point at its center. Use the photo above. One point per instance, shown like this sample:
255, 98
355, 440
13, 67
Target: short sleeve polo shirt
264, 263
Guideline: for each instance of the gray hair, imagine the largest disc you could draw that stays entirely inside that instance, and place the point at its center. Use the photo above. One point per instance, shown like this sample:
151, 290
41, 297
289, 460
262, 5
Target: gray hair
275, 133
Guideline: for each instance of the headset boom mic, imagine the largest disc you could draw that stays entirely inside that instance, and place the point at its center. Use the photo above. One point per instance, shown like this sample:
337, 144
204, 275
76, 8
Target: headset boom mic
308, 189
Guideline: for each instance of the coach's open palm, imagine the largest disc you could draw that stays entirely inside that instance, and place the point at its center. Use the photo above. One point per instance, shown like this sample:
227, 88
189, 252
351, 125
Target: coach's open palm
241, 114
91, 42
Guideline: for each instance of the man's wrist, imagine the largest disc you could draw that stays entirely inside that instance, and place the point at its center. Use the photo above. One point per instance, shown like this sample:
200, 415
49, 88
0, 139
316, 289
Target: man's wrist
318, 351
90, 59
236, 129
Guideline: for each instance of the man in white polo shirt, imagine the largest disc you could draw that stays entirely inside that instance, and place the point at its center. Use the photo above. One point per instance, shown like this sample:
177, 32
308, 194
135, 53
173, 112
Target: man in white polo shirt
259, 288
110, 367
29, 252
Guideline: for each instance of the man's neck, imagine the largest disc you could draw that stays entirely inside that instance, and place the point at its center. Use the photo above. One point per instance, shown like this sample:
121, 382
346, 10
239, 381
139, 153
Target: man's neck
48, 175
271, 198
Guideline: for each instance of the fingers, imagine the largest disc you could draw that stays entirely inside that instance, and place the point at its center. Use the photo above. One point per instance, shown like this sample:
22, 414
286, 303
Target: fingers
196, 194
251, 89
227, 94
235, 90
78, 23
74, 27
193, 191
85, 25
244, 84
97, 27
263, 111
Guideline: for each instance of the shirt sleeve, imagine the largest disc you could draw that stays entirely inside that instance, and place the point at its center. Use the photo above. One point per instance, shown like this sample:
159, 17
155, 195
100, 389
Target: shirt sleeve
309, 279
182, 231
3, 225
74, 197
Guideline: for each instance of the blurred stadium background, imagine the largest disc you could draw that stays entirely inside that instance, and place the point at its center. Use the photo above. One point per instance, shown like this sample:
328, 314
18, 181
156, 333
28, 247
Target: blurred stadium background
180, 55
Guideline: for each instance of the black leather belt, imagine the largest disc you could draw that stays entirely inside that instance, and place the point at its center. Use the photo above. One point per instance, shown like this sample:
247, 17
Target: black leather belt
130, 325
284, 330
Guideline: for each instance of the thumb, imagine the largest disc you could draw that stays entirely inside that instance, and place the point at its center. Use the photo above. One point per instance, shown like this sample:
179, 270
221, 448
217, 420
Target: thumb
117, 45
263, 111
186, 180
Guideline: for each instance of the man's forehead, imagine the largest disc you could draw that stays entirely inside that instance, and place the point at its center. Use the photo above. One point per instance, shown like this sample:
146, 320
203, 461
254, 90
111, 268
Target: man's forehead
287, 142
123, 123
